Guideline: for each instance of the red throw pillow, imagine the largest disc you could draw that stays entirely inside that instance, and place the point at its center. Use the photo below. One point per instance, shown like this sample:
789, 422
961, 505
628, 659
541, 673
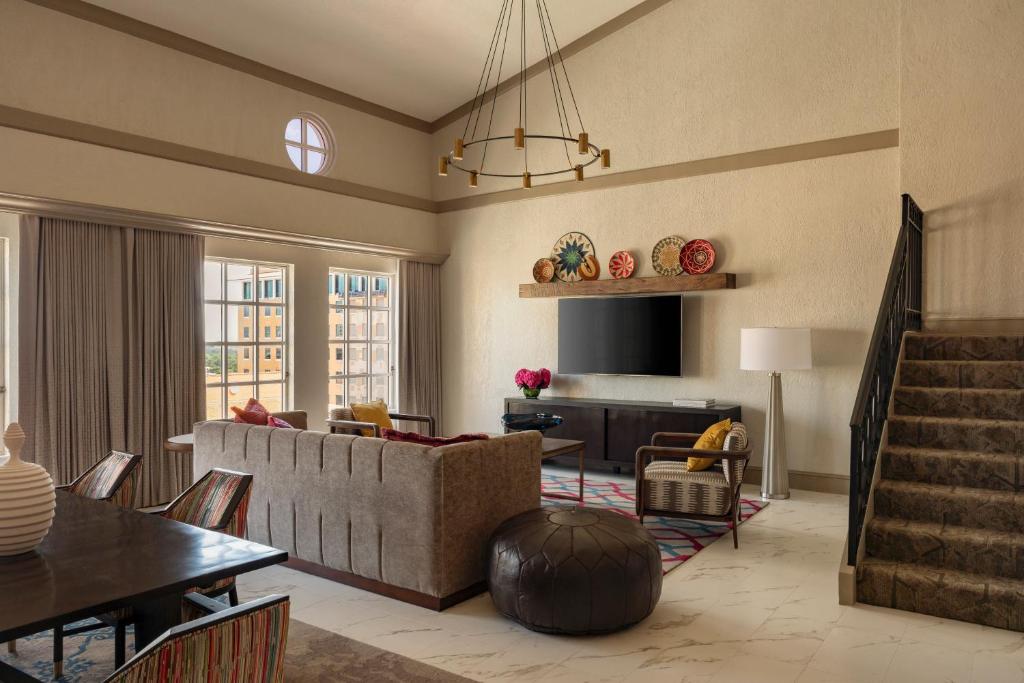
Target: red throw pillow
253, 413
278, 422
413, 437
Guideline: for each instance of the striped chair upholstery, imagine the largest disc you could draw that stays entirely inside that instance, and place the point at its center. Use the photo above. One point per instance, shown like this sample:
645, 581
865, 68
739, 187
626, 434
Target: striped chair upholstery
244, 643
219, 502
113, 479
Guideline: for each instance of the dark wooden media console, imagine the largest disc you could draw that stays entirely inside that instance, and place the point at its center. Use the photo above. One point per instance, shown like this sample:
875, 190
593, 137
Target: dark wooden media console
613, 430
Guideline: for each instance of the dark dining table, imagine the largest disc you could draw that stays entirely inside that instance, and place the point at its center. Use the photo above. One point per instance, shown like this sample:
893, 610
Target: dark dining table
98, 557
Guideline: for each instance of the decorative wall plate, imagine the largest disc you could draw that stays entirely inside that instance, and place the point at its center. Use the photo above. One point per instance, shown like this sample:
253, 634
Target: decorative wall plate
697, 257
591, 268
570, 254
544, 270
622, 265
665, 256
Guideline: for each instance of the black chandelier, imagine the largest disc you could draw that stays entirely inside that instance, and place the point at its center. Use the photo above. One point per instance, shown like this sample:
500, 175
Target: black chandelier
583, 153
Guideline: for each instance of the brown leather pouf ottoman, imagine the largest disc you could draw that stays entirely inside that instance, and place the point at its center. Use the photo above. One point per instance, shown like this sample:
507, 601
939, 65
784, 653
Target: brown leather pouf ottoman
573, 570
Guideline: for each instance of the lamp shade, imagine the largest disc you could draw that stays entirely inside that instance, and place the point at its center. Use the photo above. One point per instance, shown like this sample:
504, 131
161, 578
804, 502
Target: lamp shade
772, 349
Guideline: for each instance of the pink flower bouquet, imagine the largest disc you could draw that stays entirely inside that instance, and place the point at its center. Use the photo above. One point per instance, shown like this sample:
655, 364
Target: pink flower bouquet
532, 381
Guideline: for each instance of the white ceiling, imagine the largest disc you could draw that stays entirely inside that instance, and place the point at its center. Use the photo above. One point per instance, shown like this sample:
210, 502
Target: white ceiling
420, 57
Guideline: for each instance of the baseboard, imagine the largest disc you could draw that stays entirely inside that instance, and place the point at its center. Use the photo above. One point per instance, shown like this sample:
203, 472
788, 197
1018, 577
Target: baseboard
412, 597
976, 325
805, 481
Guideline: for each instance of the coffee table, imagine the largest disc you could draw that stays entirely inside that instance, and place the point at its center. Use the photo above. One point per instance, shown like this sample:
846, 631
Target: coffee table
551, 448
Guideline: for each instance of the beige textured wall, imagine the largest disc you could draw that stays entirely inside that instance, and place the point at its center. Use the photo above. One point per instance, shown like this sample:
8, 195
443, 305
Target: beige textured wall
962, 144
810, 241
62, 66
309, 310
705, 78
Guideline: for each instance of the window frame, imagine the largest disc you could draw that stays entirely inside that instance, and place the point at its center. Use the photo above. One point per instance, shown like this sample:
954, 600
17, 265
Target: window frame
305, 147
251, 341
346, 342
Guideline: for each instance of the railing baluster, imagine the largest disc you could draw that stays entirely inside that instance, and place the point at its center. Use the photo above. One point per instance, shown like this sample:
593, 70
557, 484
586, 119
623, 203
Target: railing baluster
899, 312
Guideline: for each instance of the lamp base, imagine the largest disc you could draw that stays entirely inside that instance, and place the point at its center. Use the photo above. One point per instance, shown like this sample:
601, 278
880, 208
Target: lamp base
774, 471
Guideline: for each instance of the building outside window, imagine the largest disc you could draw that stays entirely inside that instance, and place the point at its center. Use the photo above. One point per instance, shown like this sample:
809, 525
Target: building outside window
238, 366
361, 337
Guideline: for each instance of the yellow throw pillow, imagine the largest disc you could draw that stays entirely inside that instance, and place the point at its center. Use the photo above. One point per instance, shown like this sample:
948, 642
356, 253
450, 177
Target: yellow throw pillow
711, 440
377, 413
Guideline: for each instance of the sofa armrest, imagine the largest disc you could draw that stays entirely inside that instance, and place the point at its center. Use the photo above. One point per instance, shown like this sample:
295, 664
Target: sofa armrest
427, 419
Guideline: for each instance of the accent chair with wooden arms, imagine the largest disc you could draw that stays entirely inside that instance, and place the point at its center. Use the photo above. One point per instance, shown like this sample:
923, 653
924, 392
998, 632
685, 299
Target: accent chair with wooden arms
241, 643
666, 488
343, 421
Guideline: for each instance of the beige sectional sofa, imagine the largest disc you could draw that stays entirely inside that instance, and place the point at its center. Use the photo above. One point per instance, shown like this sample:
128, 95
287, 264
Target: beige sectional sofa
400, 519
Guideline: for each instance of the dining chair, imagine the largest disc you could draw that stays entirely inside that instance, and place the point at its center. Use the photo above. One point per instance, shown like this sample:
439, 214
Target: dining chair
240, 643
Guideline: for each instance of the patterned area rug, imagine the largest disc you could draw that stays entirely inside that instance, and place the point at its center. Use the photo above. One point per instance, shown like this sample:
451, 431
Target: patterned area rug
313, 655
679, 539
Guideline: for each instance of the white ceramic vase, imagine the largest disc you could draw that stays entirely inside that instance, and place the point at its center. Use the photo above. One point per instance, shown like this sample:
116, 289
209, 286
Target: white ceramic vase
27, 500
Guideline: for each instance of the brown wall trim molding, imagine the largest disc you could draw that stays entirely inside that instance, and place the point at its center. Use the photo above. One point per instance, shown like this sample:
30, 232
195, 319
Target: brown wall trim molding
107, 137
176, 41
57, 208
686, 169
578, 45
987, 325
805, 481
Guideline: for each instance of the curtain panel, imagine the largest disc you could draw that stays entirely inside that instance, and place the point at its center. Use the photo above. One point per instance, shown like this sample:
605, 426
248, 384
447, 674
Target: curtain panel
419, 339
111, 348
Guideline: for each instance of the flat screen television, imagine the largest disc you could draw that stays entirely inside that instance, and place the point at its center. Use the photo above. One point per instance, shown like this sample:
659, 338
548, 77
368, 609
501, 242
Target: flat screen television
621, 336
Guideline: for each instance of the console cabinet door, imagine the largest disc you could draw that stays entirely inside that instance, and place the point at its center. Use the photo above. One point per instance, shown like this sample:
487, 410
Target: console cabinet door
582, 423
628, 430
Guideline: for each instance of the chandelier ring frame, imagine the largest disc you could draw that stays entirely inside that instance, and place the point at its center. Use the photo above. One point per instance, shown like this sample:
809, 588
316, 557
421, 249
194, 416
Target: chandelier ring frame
595, 153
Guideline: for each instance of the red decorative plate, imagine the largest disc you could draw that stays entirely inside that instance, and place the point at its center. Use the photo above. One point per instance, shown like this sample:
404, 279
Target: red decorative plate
622, 265
697, 257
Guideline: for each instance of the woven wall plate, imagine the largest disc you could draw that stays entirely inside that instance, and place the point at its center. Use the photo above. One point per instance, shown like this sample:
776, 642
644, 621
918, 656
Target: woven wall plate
665, 255
622, 265
697, 257
544, 270
570, 255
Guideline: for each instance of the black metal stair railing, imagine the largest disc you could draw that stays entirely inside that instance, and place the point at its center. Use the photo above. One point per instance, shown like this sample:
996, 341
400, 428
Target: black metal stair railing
899, 312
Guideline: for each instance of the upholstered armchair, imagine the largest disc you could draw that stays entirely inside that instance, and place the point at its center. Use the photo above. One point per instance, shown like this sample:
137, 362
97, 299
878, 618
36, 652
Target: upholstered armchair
241, 643
112, 479
344, 422
665, 487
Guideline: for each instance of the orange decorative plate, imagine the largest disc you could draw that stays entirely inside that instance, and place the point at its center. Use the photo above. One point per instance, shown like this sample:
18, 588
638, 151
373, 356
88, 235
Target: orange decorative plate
544, 270
666, 255
622, 265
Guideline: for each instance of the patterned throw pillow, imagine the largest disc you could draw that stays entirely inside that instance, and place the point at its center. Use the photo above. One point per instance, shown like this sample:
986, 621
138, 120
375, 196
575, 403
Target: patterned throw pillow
278, 422
413, 437
253, 413
711, 440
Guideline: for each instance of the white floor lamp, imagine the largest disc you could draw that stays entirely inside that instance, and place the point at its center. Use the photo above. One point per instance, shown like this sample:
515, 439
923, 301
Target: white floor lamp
771, 350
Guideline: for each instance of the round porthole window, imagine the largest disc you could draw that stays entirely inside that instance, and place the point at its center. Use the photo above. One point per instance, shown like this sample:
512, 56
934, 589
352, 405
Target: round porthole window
309, 143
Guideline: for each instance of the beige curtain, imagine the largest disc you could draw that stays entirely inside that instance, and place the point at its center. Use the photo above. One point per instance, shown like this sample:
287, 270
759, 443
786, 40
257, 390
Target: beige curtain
111, 341
419, 339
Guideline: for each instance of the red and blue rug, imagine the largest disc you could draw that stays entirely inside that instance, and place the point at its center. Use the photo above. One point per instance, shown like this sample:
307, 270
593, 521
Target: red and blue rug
679, 539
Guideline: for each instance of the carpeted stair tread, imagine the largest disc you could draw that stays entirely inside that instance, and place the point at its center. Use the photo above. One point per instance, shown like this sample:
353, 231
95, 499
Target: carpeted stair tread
963, 347
956, 505
957, 433
984, 374
977, 598
975, 469
991, 404
965, 549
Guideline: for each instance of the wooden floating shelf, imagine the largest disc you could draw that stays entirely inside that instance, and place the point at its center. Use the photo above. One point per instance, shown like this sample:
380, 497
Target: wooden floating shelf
639, 285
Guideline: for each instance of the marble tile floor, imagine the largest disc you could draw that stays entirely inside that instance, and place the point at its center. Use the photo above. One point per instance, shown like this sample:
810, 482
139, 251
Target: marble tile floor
765, 613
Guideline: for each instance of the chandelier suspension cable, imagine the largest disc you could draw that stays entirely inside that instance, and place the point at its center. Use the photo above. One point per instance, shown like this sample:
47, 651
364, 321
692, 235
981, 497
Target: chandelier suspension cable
522, 90
494, 100
555, 86
561, 61
485, 75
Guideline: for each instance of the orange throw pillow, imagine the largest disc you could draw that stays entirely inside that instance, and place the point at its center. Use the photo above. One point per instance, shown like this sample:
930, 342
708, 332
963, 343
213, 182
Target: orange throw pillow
253, 413
712, 439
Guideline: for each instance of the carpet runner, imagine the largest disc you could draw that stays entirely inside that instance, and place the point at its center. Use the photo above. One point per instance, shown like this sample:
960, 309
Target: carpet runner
678, 539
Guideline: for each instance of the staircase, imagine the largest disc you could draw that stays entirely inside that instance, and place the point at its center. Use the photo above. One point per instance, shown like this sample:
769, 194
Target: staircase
947, 538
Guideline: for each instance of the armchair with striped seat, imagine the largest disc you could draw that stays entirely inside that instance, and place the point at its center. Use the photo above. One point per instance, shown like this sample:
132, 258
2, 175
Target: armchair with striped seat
112, 479
241, 643
665, 487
